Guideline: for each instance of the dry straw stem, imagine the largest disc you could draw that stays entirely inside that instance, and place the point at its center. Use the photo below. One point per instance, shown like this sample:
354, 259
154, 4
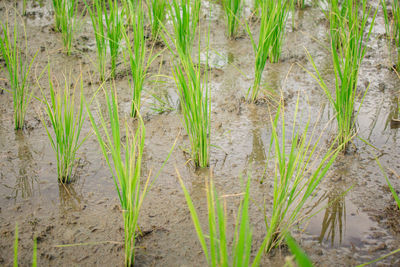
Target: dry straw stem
18, 68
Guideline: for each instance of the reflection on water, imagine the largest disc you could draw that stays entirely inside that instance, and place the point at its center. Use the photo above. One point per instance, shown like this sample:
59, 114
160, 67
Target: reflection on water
334, 220
231, 58
25, 176
70, 197
394, 115
341, 223
257, 154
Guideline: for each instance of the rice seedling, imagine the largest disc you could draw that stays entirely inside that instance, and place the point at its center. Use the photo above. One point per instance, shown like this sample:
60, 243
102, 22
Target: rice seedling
300, 256
392, 190
68, 22
348, 50
24, 7
216, 252
124, 160
18, 67
16, 246
194, 94
34, 254
392, 25
299, 169
66, 123
233, 14
114, 22
58, 6
139, 58
96, 16
185, 18
272, 27
157, 14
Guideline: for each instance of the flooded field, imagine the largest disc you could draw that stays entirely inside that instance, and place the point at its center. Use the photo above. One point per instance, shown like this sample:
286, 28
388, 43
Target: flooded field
355, 218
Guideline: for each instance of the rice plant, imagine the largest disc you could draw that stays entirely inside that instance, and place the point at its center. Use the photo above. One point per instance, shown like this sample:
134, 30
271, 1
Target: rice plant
348, 50
66, 124
124, 160
392, 25
194, 93
300, 256
272, 27
157, 10
96, 16
114, 22
185, 18
18, 67
68, 22
58, 7
299, 168
140, 58
216, 250
34, 254
24, 7
233, 14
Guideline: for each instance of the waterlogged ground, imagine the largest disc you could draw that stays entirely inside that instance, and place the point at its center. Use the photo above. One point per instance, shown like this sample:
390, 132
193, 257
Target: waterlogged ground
81, 223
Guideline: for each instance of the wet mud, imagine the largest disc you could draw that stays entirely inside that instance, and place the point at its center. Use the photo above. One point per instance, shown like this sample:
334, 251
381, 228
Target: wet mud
81, 224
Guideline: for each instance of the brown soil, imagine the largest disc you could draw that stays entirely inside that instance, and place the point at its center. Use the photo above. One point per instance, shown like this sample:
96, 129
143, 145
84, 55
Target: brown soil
356, 227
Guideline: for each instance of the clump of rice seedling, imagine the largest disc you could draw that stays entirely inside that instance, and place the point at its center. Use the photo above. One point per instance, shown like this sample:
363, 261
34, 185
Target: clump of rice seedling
124, 160
66, 123
273, 22
185, 18
194, 94
58, 6
24, 7
96, 16
233, 13
393, 26
114, 22
157, 14
68, 21
18, 67
299, 169
216, 252
107, 27
348, 49
139, 58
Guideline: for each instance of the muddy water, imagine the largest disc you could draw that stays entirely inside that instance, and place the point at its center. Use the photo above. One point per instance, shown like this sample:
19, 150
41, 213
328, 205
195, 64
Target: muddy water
81, 223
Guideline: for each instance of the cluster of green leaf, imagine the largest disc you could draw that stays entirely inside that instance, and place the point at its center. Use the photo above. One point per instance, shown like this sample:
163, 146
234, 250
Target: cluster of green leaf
233, 14
348, 25
66, 124
392, 24
274, 15
18, 67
